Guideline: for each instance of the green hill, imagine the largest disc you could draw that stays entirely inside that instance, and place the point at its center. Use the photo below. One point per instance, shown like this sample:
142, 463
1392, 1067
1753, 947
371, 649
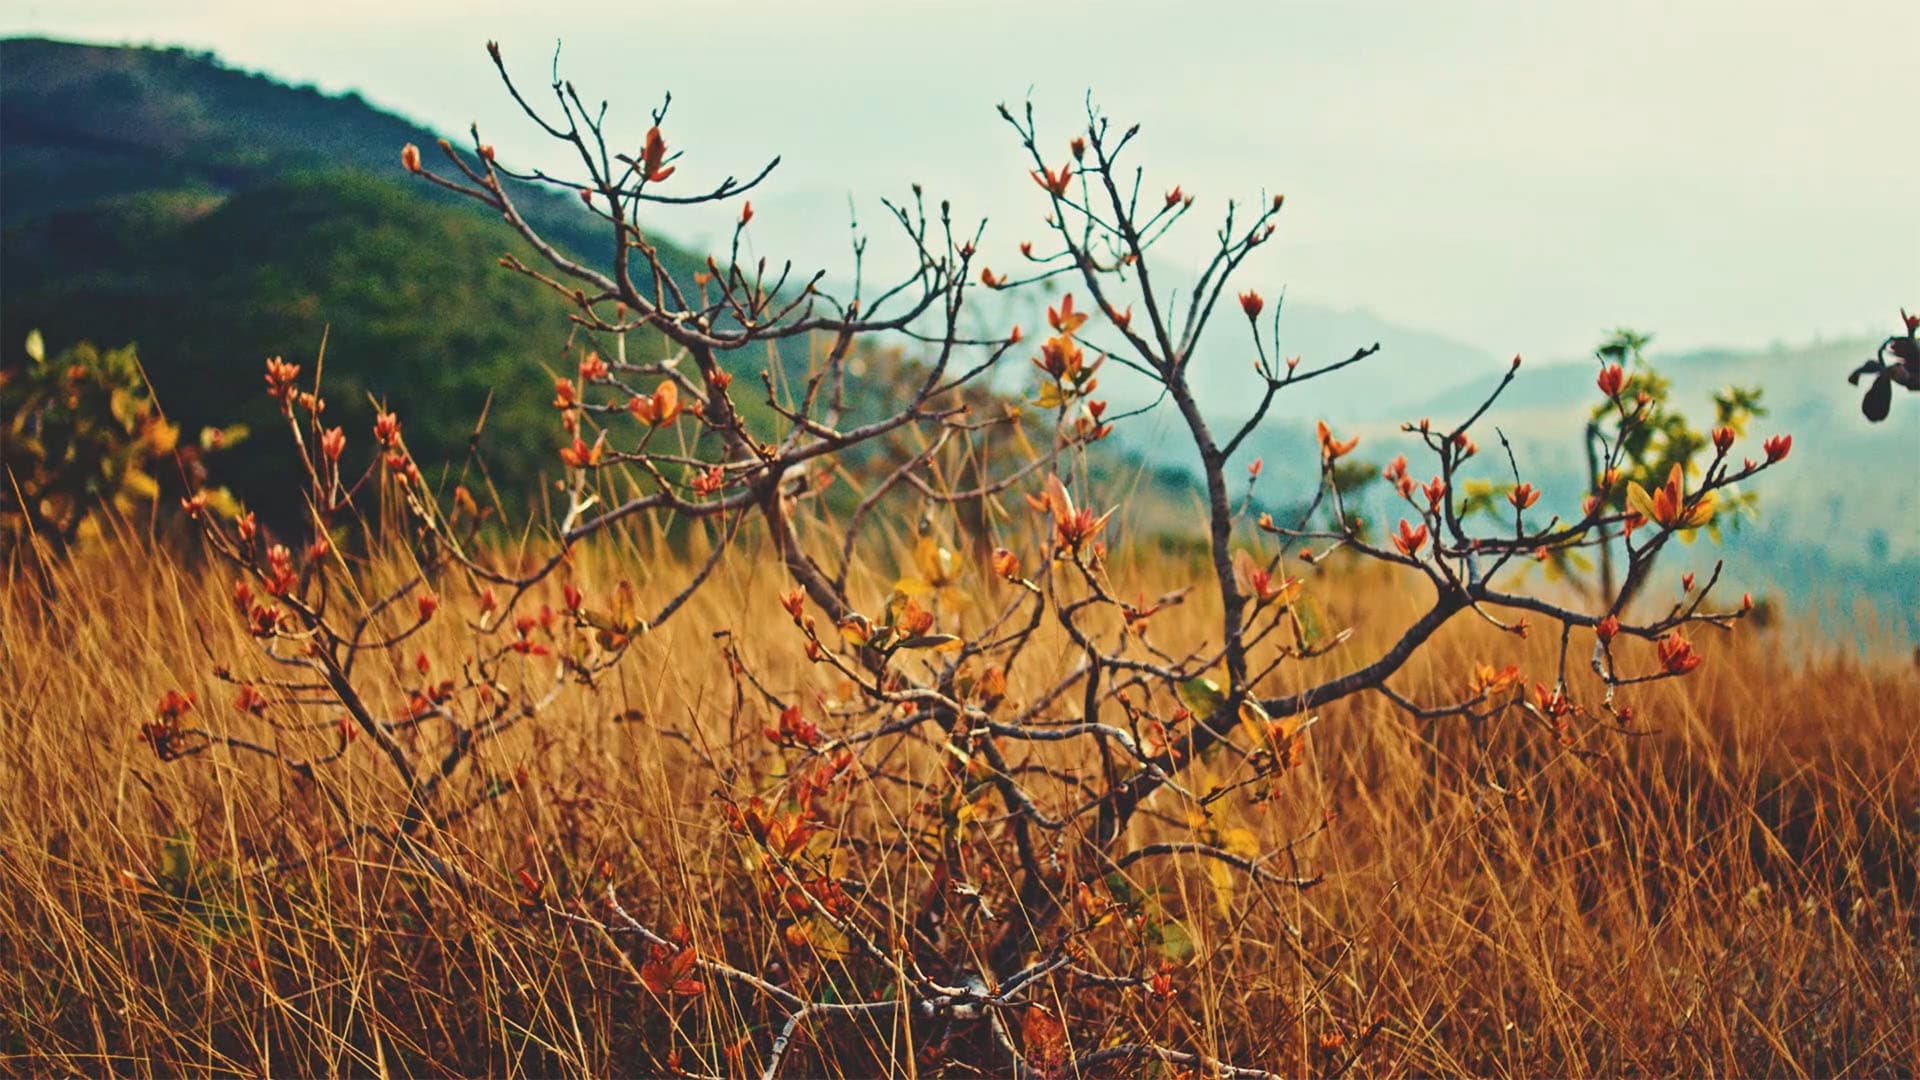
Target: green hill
413, 308
216, 217
80, 123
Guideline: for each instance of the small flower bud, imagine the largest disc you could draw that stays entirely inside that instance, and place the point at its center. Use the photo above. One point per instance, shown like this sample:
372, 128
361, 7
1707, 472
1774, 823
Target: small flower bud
1612, 378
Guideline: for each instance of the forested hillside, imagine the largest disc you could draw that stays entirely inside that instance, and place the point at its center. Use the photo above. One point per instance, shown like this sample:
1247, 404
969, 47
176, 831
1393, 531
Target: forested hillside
215, 217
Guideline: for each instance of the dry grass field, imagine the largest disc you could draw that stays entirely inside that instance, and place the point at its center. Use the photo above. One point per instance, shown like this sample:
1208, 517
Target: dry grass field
1727, 889
702, 662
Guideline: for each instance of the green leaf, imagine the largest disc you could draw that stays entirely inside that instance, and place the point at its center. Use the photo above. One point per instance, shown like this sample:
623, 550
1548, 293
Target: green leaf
1172, 939
1124, 892
176, 864
1202, 697
1312, 628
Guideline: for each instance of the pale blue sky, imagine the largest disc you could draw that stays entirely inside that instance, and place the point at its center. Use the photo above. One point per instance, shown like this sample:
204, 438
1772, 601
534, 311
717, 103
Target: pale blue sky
1517, 175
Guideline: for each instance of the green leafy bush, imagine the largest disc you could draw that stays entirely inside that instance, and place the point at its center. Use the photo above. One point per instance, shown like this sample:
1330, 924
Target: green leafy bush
85, 443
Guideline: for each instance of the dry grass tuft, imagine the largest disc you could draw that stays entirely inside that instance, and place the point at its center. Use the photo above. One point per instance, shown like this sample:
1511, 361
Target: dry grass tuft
1730, 892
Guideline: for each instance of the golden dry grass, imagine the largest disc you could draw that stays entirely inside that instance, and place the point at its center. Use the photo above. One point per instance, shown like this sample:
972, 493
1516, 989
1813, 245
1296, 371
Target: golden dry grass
1730, 894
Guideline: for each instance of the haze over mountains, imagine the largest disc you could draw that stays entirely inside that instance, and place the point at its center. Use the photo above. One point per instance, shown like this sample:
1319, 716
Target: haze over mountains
215, 217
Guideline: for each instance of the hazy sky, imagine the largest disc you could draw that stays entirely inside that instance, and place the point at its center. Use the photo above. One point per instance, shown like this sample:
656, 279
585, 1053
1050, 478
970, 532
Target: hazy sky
1516, 175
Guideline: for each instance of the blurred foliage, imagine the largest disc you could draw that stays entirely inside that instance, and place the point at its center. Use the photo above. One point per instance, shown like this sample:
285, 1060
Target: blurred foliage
83, 438
1660, 436
1652, 436
201, 893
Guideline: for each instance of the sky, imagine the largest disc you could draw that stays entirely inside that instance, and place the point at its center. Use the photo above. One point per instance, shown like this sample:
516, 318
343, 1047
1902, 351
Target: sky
1518, 176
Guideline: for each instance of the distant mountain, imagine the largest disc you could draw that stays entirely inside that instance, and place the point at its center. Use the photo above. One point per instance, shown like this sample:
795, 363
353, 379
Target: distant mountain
1410, 363
80, 123
1394, 383
1850, 487
1838, 524
1838, 527
216, 217
1388, 384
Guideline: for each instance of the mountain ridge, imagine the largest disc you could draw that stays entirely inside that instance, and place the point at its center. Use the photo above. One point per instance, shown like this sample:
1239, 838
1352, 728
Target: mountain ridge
142, 117
126, 171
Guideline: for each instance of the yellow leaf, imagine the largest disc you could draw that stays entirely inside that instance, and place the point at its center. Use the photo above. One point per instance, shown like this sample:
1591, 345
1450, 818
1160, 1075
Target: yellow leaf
124, 406
1221, 875
1288, 592
222, 502
1639, 501
896, 607
937, 565
616, 627
162, 437
139, 484
223, 438
1700, 514
826, 940
856, 630
1240, 841
975, 810
820, 845
912, 586
1254, 721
